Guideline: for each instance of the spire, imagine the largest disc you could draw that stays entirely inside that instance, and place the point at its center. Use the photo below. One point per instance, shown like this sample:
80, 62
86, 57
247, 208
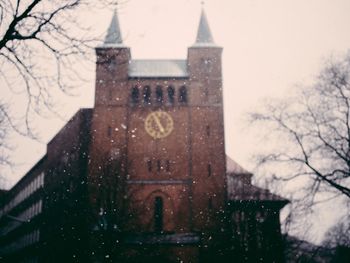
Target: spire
114, 35
204, 36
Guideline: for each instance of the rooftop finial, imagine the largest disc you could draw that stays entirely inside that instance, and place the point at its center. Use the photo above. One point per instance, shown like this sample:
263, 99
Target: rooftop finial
114, 35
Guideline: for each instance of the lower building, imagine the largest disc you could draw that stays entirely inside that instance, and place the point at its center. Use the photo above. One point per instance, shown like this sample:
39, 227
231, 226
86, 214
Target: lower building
47, 220
255, 218
21, 218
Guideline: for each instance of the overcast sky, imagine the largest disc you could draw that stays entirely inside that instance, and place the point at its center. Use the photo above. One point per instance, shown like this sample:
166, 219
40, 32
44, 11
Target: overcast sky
269, 46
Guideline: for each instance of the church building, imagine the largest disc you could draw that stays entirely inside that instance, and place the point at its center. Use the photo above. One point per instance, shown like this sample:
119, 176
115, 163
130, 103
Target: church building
143, 175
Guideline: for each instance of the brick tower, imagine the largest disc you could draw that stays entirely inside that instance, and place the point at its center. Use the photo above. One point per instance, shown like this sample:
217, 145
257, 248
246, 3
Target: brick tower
157, 182
141, 177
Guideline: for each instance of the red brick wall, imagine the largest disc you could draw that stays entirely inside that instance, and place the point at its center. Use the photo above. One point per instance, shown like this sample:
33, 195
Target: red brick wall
193, 197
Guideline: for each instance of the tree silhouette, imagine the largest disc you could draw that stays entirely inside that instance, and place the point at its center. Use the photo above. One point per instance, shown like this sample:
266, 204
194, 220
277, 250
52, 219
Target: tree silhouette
42, 46
308, 140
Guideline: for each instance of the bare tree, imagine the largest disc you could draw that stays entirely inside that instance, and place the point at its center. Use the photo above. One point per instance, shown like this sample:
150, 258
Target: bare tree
308, 139
338, 235
337, 240
4, 145
42, 46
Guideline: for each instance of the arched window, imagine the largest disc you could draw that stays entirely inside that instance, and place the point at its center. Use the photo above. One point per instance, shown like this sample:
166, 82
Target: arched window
110, 94
147, 95
207, 64
210, 203
149, 165
159, 94
208, 130
158, 214
183, 95
112, 63
159, 166
135, 95
171, 94
167, 165
209, 170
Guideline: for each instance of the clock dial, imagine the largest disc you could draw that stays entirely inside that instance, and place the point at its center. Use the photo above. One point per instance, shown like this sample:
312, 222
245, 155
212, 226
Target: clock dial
159, 124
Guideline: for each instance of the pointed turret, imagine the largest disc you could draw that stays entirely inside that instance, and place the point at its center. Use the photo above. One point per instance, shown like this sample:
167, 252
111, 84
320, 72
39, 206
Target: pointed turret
114, 35
204, 36
204, 56
112, 64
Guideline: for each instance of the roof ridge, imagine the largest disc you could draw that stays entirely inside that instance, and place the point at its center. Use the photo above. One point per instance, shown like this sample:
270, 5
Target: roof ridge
234, 167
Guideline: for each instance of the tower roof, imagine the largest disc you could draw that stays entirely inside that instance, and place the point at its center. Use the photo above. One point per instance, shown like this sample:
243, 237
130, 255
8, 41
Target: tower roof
114, 35
204, 36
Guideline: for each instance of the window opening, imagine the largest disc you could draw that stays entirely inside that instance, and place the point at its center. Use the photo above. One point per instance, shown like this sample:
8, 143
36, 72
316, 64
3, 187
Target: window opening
110, 95
210, 203
135, 95
149, 165
209, 170
167, 166
159, 165
207, 63
147, 95
208, 130
158, 214
159, 95
206, 92
109, 131
183, 95
112, 63
171, 94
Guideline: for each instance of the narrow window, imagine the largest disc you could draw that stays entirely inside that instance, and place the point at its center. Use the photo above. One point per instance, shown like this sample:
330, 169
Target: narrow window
183, 95
209, 170
109, 131
159, 165
110, 95
135, 95
207, 64
159, 95
149, 165
158, 214
167, 166
171, 94
147, 95
210, 203
208, 130
112, 63
206, 92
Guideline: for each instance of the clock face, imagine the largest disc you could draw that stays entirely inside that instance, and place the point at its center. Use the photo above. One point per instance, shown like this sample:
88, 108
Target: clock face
159, 124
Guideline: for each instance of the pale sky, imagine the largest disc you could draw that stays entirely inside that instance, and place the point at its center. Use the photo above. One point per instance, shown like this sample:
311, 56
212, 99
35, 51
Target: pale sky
269, 46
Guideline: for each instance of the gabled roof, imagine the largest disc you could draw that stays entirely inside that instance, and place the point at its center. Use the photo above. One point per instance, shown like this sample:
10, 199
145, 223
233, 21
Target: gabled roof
240, 188
149, 68
233, 167
253, 193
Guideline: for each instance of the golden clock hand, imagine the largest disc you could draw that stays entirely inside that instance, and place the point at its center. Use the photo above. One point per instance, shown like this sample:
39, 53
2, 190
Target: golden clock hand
156, 119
